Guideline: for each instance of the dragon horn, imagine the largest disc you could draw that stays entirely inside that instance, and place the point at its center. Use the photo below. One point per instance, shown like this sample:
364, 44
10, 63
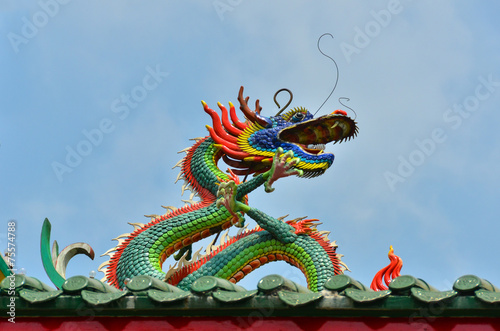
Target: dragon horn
253, 116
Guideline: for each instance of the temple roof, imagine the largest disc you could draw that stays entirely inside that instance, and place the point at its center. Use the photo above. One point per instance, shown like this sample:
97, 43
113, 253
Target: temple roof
343, 296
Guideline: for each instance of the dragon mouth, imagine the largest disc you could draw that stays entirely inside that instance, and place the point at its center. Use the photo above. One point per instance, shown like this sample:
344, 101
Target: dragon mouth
312, 135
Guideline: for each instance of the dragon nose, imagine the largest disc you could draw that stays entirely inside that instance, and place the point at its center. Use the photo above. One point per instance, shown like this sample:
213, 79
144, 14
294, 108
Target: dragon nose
341, 112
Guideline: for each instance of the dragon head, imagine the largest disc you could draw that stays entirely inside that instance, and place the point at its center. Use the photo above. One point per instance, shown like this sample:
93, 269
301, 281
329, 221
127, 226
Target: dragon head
248, 147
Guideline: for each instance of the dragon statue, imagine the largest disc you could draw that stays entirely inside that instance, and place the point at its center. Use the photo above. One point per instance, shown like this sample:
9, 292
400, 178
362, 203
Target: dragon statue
268, 148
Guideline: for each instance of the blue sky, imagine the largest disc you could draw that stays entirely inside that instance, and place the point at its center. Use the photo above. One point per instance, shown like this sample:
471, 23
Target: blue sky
423, 78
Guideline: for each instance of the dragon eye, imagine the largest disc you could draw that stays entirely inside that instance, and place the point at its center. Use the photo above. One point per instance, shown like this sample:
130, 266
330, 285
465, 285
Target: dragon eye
297, 117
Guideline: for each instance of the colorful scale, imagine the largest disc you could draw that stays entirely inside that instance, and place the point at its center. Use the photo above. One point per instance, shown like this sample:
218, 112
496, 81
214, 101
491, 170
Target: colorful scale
182, 235
249, 251
254, 261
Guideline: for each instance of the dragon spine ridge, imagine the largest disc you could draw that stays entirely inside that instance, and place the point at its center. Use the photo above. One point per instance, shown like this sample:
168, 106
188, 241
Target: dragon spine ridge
268, 148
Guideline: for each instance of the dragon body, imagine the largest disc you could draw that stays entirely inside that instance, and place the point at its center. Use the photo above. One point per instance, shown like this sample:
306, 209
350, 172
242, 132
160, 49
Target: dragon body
310, 251
268, 148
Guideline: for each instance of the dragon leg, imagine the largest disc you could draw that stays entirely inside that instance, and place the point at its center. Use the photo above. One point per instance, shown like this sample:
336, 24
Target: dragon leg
282, 167
280, 230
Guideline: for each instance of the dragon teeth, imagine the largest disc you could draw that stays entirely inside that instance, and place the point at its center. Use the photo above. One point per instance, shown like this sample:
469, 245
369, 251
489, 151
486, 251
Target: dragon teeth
316, 146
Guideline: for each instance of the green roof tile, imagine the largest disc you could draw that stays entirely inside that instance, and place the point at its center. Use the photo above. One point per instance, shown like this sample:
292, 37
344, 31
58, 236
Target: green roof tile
97, 298
273, 283
431, 296
341, 282
366, 296
488, 296
471, 283
164, 297
37, 296
79, 283
208, 284
22, 281
225, 296
298, 299
403, 284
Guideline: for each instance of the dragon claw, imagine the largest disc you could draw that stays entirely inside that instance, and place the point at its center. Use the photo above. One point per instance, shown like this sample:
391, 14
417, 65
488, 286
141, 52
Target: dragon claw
283, 166
227, 198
